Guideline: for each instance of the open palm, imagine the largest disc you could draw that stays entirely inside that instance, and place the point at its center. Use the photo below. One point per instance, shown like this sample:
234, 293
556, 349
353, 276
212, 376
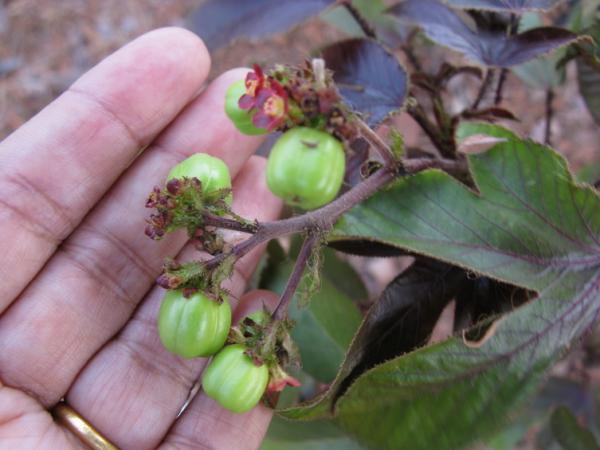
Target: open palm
77, 298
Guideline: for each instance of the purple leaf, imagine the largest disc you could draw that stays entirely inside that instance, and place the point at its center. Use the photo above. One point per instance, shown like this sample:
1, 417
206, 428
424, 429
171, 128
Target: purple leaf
514, 6
371, 79
220, 21
489, 47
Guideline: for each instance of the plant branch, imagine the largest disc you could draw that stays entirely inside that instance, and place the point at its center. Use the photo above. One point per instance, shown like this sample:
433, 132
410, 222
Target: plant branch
445, 148
359, 19
549, 116
321, 219
512, 29
500, 86
379, 144
316, 223
308, 247
487, 81
229, 224
408, 50
453, 167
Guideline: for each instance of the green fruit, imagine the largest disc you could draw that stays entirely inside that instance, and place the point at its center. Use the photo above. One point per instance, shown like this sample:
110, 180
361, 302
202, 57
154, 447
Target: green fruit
241, 118
233, 380
306, 167
260, 317
212, 172
194, 326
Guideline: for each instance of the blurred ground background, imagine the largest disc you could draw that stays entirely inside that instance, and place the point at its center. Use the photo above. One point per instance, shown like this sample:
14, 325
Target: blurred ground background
46, 44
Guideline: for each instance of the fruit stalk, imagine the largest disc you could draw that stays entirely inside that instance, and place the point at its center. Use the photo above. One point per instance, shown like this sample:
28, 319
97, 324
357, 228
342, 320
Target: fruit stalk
306, 251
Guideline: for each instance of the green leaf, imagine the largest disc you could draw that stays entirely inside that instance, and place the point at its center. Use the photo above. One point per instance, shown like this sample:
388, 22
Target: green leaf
529, 225
325, 327
339, 17
373, 12
590, 173
569, 433
343, 276
588, 77
577, 396
317, 435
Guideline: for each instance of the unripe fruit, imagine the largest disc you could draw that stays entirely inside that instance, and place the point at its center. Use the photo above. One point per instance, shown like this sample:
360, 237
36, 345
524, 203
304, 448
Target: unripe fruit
306, 167
234, 381
241, 118
212, 172
195, 326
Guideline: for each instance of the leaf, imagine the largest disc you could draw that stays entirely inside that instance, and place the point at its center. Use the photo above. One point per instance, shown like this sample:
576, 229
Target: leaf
370, 79
589, 78
325, 327
373, 12
218, 22
569, 433
514, 6
317, 435
403, 317
482, 300
582, 15
339, 17
577, 396
488, 47
541, 72
529, 225
366, 248
590, 173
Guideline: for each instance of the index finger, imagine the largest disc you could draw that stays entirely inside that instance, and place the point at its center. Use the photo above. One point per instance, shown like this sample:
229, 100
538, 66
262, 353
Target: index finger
59, 164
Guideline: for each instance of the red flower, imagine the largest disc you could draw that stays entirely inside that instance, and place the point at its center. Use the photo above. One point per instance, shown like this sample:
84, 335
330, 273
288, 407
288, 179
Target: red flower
267, 97
272, 107
255, 81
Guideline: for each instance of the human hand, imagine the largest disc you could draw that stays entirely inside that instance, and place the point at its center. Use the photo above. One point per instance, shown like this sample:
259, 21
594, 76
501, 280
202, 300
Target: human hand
78, 302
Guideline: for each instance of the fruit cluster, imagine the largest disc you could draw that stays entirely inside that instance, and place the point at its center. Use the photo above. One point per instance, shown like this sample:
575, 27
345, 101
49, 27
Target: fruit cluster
306, 168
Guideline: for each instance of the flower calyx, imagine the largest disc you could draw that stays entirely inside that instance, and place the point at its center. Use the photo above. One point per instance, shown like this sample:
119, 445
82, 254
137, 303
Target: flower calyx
197, 276
268, 342
181, 203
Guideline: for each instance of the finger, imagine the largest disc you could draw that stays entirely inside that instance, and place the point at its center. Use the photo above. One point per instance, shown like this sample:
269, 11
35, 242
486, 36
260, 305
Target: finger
25, 425
58, 165
205, 424
134, 388
91, 286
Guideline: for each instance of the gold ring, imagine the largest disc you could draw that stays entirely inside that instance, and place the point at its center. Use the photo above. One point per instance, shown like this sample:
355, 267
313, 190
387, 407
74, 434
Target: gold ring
70, 419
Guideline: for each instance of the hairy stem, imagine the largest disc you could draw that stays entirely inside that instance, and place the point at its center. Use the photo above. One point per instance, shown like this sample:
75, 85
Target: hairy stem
321, 219
308, 247
315, 223
229, 224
